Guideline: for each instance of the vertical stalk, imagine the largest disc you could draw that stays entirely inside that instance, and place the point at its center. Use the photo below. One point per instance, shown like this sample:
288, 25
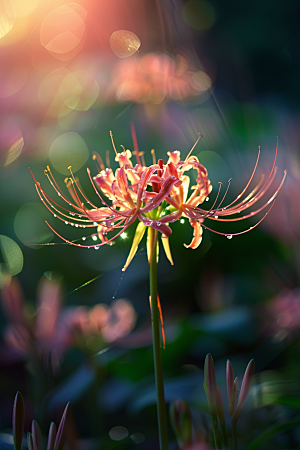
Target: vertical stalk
234, 434
159, 381
216, 432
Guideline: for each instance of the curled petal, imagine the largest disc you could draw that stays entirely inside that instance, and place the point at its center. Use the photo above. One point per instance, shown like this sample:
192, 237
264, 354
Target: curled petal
196, 241
99, 214
163, 193
139, 233
156, 224
174, 157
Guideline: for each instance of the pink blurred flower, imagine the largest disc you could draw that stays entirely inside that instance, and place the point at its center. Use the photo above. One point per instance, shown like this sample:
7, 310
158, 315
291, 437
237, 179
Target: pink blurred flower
91, 329
157, 77
32, 332
282, 315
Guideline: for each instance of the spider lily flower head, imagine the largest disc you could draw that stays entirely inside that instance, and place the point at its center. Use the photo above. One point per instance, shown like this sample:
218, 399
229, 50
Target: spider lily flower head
154, 196
237, 400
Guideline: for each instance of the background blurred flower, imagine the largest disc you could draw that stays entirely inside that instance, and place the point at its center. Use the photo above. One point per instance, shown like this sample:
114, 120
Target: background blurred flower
281, 318
156, 77
32, 331
92, 329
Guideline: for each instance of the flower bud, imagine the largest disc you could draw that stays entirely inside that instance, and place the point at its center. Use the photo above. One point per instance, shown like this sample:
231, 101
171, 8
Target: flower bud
51, 436
210, 385
61, 436
181, 420
18, 421
37, 437
245, 389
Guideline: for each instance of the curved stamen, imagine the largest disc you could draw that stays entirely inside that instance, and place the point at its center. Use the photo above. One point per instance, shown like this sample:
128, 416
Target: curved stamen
240, 232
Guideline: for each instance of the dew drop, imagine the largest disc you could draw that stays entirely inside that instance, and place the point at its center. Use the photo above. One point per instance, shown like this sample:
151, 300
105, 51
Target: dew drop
54, 215
84, 238
66, 223
76, 225
95, 223
96, 248
94, 238
216, 217
59, 194
229, 236
207, 199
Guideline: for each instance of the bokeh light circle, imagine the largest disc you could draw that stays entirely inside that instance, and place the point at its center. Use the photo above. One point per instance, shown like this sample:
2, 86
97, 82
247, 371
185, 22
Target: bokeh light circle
79, 90
11, 142
50, 93
12, 255
63, 28
68, 149
124, 43
30, 226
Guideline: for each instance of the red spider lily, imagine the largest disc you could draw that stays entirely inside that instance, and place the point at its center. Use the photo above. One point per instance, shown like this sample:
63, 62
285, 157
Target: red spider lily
155, 196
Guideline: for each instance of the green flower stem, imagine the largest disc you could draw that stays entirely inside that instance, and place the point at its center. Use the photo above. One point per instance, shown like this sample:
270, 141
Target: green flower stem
234, 434
225, 436
216, 432
159, 381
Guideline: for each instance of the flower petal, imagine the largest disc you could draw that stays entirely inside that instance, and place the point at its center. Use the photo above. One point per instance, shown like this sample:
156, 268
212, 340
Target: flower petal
163, 193
166, 246
156, 224
139, 233
196, 241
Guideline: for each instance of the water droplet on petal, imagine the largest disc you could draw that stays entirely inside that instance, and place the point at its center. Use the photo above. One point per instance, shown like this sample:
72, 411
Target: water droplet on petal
216, 217
229, 236
207, 199
66, 223
96, 248
84, 238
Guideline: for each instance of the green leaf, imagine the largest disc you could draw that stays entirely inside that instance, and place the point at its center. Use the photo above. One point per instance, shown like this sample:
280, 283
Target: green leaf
271, 432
